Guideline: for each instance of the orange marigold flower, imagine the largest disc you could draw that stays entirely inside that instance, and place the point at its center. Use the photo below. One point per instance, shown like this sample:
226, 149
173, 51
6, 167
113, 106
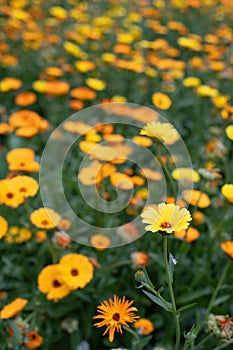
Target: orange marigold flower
5, 128
115, 314
3, 226
40, 236
83, 93
8, 84
100, 242
197, 198
24, 118
161, 100
34, 340
27, 131
76, 270
51, 283
140, 258
25, 99
144, 326
45, 218
121, 181
227, 247
76, 104
13, 309
227, 191
189, 235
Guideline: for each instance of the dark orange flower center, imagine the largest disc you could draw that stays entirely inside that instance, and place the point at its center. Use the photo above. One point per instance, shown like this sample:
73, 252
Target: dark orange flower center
166, 225
23, 189
44, 222
116, 317
32, 337
10, 195
56, 284
74, 272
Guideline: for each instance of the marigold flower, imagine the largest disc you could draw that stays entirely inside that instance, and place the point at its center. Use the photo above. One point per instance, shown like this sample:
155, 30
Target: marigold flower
51, 283
75, 270
187, 174
18, 235
151, 174
227, 191
121, 181
8, 84
191, 82
41, 236
22, 159
83, 93
45, 218
161, 100
25, 185
25, 99
13, 309
189, 235
115, 314
220, 101
3, 226
165, 132
100, 242
206, 91
144, 326
229, 132
34, 340
196, 198
96, 84
227, 247
10, 196
166, 217
140, 258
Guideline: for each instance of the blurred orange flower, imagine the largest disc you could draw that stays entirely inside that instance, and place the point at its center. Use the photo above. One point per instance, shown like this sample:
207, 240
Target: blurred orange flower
45, 218
13, 309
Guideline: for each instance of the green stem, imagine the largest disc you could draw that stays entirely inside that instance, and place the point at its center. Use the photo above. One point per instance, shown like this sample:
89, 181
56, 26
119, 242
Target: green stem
218, 287
222, 346
171, 293
135, 340
166, 170
199, 345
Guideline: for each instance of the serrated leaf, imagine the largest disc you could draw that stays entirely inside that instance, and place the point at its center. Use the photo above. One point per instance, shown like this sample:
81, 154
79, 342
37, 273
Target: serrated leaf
186, 307
166, 306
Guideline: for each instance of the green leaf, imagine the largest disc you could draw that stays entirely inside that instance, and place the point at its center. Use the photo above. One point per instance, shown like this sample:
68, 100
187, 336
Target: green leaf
166, 306
143, 342
186, 307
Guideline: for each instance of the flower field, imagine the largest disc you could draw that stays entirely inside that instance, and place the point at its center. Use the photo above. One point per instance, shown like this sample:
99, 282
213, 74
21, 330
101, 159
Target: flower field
116, 187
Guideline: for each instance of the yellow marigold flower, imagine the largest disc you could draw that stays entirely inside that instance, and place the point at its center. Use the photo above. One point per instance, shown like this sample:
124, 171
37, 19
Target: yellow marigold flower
96, 84
40, 236
220, 101
189, 235
206, 91
115, 314
227, 247
25, 185
162, 101
58, 12
229, 132
3, 226
166, 217
227, 191
198, 217
13, 309
73, 49
108, 57
45, 218
100, 242
8, 84
191, 82
189, 43
186, 174
144, 326
18, 235
39, 85
34, 340
76, 270
51, 283
10, 196
84, 66
196, 198
165, 132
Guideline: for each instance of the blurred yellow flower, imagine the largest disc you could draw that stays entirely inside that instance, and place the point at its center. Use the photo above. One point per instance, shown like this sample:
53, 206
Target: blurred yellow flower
187, 174
161, 100
58, 12
220, 101
229, 132
206, 91
96, 84
45, 218
191, 82
3, 226
227, 191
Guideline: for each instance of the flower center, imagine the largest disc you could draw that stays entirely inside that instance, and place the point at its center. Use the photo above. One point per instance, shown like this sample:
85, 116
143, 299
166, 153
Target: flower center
116, 317
74, 272
22, 189
10, 195
166, 225
44, 222
56, 284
